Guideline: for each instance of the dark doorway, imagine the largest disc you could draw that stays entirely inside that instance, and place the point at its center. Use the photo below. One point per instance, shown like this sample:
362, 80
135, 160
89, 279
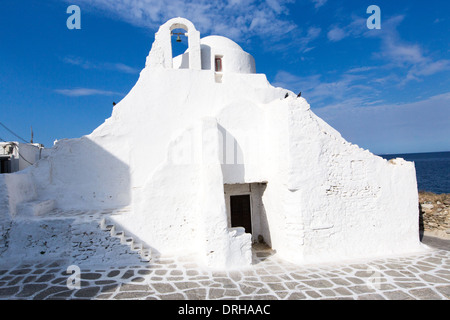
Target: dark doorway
5, 165
240, 212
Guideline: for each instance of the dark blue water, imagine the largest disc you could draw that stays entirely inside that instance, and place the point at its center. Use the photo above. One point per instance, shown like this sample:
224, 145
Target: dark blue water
432, 170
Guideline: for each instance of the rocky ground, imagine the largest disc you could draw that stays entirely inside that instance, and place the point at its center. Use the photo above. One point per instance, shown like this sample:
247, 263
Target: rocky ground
435, 214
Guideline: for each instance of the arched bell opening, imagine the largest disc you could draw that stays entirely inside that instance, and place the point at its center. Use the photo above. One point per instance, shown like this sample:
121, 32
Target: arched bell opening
180, 31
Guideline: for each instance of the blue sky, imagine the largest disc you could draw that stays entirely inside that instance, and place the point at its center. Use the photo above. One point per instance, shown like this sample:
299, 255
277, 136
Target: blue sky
387, 90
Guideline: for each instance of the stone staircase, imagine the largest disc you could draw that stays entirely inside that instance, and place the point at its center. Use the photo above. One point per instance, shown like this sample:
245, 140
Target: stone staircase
145, 253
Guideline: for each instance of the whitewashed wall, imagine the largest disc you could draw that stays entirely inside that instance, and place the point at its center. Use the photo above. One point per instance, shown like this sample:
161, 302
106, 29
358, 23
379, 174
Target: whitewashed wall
162, 153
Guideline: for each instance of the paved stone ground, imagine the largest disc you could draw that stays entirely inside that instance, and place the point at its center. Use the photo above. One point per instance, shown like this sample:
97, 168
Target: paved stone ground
419, 276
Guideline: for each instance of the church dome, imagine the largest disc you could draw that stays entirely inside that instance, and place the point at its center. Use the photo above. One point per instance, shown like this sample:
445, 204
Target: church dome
219, 54
223, 55
220, 42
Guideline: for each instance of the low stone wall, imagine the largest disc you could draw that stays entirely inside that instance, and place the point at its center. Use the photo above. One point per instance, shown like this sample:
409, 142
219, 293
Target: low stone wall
435, 214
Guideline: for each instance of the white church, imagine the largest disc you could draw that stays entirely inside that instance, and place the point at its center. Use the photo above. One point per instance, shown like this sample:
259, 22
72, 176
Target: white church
211, 158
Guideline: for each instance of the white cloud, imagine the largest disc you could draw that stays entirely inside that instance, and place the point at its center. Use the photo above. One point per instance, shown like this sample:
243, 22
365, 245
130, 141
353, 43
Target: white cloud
307, 49
79, 92
275, 5
302, 43
412, 57
85, 64
431, 67
361, 69
313, 33
356, 28
78, 62
123, 68
243, 19
353, 104
336, 34
393, 49
426, 67
399, 52
319, 3
321, 92
240, 20
409, 127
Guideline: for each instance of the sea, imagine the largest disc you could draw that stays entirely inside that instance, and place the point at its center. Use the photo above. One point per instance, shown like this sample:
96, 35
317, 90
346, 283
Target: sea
432, 170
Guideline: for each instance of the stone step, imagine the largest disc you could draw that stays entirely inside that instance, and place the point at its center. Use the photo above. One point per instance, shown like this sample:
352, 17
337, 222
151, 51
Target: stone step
137, 247
144, 253
119, 234
126, 240
35, 208
105, 225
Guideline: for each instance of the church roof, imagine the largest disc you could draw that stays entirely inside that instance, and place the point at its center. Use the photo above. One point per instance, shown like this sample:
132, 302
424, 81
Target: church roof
220, 42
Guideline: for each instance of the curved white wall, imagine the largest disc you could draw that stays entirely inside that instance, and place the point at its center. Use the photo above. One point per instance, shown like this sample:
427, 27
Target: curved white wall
234, 59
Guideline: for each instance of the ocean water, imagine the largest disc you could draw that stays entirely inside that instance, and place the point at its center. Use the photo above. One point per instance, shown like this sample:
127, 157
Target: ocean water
432, 170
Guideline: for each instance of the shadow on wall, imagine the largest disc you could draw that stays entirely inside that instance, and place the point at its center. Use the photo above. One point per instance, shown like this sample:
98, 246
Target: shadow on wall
234, 173
264, 222
125, 233
206, 57
421, 226
184, 61
88, 182
231, 157
82, 174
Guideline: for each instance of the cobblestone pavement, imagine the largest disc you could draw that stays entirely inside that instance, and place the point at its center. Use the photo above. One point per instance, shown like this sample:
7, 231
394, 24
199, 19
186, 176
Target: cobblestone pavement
418, 276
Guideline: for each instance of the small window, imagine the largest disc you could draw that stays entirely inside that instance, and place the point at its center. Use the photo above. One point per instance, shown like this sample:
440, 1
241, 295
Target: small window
218, 62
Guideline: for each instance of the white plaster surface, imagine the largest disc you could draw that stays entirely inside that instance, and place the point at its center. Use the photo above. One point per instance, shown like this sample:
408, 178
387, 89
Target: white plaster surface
167, 154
